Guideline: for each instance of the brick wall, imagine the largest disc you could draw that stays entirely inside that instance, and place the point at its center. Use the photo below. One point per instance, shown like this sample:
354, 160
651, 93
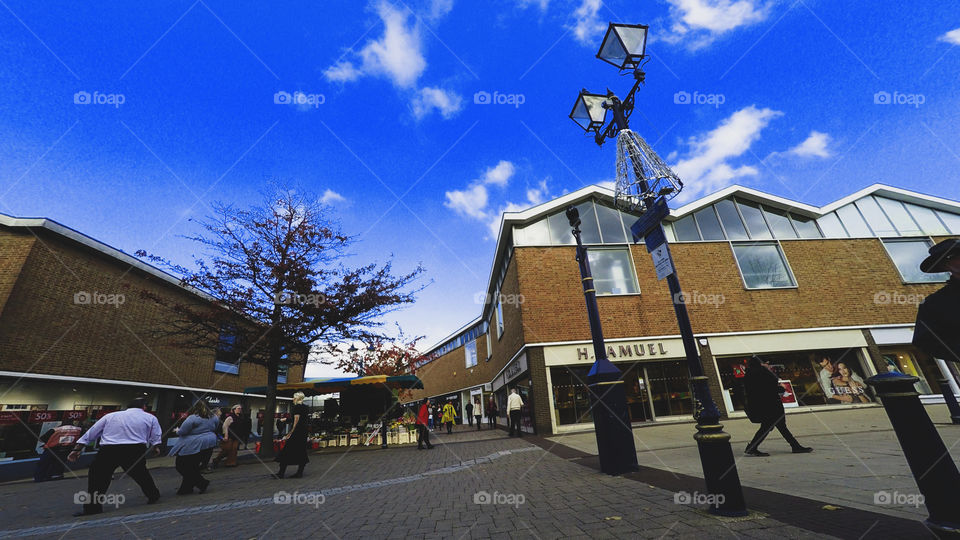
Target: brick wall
43, 330
14, 248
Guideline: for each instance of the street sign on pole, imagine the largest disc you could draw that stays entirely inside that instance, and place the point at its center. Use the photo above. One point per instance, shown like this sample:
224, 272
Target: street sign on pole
662, 261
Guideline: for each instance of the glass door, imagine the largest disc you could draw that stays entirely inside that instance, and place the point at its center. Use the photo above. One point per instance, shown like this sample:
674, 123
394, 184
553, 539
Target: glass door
669, 387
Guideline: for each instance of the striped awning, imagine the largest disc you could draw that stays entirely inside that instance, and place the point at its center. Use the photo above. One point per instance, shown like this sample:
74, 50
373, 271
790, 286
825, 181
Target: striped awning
329, 385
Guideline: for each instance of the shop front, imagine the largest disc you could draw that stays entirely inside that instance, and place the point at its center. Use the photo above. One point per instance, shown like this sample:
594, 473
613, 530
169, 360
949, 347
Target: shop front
900, 355
654, 372
515, 374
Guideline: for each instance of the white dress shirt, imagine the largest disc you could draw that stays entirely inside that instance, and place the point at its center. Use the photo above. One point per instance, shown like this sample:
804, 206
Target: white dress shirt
514, 402
132, 426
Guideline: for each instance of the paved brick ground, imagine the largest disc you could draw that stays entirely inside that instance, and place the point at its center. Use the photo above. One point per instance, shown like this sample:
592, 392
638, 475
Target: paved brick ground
396, 493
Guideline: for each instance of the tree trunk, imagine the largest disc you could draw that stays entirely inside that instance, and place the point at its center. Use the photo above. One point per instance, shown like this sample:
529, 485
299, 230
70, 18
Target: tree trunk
267, 423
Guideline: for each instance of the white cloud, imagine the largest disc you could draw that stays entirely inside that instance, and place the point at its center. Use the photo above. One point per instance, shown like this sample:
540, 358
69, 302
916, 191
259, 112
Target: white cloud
815, 145
700, 22
952, 37
330, 196
430, 98
542, 3
706, 168
469, 202
439, 8
588, 28
342, 72
499, 174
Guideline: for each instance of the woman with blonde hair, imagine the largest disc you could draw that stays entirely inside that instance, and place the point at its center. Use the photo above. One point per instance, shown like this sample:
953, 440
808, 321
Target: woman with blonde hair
294, 451
196, 439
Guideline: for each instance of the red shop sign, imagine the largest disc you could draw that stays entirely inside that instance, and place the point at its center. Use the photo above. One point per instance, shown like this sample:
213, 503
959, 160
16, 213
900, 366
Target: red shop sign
69, 416
9, 418
37, 417
103, 412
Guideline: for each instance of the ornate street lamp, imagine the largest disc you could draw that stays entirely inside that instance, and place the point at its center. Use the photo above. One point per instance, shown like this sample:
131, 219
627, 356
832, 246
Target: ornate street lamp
644, 185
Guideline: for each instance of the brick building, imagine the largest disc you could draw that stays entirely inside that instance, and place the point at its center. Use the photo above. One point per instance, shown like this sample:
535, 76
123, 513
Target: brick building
761, 275
77, 338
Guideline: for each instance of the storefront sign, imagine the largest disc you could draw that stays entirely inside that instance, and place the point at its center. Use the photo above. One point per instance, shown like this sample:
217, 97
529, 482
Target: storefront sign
37, 417
512, 371
103, 412
8, 418
70, 416
616, 352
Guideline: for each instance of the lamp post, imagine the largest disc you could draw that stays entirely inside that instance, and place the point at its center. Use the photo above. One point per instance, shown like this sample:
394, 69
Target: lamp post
362, 371
644, 184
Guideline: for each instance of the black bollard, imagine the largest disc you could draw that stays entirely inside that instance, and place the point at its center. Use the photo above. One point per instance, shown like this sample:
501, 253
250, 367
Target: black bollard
930, 462
950, 400
608, 401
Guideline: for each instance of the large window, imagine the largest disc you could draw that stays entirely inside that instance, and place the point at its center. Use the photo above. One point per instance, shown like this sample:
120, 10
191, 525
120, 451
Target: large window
907, 254
470, 351
599, 224
763, 265
227, 358
612, 271
571, 399
499, 317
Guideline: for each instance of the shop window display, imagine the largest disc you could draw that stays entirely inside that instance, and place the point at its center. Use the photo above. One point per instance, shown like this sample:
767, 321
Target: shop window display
834, 376
915, 363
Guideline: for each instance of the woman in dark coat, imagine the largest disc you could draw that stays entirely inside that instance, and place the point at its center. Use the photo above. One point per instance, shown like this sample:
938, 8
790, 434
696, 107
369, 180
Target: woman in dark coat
764, 407
294, 452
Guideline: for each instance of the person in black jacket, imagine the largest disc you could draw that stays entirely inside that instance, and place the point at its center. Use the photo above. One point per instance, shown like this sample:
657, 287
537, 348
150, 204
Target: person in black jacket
937, 331
764, 407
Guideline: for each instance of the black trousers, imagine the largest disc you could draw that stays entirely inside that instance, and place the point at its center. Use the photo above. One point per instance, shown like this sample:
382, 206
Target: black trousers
478, 417
766, 428
515, 422
492, 420
189, 467
132, 458
470, 418
423, 436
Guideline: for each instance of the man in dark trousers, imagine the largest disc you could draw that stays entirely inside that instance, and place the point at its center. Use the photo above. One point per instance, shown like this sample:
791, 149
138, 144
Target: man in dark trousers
469, 408
423, 434
765, 407
937, 331
125, 439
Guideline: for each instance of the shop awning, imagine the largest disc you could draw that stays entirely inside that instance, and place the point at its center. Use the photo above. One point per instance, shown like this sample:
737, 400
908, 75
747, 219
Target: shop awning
313, 387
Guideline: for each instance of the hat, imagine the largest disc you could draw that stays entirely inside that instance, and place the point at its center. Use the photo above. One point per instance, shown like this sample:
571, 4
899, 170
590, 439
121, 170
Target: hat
939, 254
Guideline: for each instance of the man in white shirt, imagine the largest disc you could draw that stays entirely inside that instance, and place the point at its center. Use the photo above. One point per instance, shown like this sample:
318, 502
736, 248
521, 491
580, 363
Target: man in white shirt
125, 439
514, 405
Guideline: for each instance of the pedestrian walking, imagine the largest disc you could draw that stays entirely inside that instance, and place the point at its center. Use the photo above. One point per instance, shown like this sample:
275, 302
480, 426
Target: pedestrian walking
424, 415
196, 436
57, 443
430, 418
449, 414
478, 412
765, 407
231, 439
937, 331
492, 412
294, 451
125, 439
469, 408
244, 428
514, 407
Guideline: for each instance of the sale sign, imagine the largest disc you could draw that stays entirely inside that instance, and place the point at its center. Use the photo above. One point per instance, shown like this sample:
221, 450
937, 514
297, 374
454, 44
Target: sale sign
8, 418
788, 397
70, 416
38, 417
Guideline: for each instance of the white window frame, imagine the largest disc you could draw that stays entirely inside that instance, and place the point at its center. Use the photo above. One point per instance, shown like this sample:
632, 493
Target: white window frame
783, 258
633, 267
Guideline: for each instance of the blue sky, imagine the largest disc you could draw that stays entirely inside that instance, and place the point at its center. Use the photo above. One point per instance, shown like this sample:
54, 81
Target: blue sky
124, 121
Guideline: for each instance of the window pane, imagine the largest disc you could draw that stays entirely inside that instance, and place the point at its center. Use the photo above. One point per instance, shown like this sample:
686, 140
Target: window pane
709, 224
831, 227
470, 351
779, 223
899, 215
762, 266
629, 220
805, 226
499, 317
589, 232
731, 220
756, 226
907, 254
878, 222
534, 234
926, 218
611, 271
952, 221
853, 222
611, 230
560, 230
686, 229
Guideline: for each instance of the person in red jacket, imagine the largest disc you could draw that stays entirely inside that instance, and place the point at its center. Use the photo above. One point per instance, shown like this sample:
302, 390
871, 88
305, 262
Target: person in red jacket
423, 434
